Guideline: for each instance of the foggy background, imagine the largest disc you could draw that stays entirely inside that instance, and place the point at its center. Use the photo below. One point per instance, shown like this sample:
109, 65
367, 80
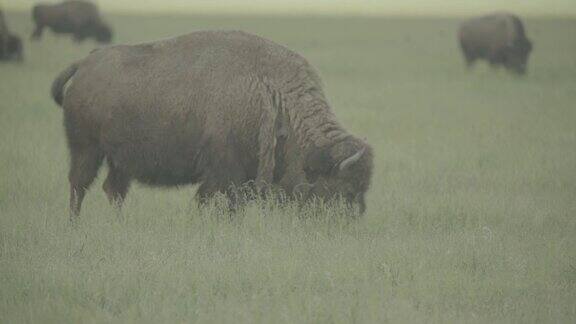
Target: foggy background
470, 213
338, 7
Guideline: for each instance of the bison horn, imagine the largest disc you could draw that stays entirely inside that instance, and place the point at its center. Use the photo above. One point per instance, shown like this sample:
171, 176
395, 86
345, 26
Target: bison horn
351, 160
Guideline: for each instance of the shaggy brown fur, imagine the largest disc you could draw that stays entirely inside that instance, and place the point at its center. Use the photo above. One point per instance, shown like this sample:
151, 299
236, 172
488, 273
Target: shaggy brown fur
10, 44
498, 38
219, 108
77, 17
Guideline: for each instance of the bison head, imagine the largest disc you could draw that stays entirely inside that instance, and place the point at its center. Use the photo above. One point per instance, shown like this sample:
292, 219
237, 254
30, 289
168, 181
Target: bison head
103, 34
517, 55
341, 171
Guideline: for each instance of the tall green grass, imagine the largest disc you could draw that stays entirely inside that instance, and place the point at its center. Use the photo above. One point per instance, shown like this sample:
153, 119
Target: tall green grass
471, 215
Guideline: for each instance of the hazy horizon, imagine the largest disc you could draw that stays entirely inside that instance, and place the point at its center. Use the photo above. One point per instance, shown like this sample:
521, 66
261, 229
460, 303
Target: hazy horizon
333, 7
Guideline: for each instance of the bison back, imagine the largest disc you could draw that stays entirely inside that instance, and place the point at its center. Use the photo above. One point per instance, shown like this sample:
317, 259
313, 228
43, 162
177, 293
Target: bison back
156, 108
66, 16
488, 33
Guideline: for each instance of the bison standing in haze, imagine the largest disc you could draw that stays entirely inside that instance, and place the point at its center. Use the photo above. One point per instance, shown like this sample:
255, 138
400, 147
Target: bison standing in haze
76, 17
498, 38
219, 108
10, 44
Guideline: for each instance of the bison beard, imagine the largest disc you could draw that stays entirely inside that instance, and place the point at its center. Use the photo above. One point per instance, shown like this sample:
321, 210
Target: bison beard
217, 108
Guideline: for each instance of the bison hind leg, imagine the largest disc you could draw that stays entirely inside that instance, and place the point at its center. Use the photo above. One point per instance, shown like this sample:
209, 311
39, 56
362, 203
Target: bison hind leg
37, 32
468, 55
116, 185
85, 162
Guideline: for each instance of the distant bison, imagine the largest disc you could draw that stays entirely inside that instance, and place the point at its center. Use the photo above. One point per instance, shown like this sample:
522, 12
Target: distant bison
498, 38
10, 44
219, 108
76, 17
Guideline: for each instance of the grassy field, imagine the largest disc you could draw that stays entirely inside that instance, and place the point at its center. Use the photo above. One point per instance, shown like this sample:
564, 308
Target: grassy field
471, 215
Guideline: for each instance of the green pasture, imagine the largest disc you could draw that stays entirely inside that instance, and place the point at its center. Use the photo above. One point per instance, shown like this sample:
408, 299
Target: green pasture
471, 215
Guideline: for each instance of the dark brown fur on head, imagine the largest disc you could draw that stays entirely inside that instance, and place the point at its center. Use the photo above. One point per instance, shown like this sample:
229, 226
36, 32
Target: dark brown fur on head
332, 177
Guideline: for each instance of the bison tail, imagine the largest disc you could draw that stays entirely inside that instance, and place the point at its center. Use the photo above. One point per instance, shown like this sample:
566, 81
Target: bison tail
60, 82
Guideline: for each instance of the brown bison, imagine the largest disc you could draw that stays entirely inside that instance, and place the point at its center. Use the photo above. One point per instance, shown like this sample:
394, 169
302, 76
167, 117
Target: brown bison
10, 44
76, 17
218, 108
498, 38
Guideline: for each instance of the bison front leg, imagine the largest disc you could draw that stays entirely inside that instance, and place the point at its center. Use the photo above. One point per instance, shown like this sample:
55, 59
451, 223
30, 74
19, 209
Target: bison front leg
37, 32
17, 49
79, 37
469, 61
231, 191
227, 179
468, 54
116, 185
497, 59
19, 55
85, 162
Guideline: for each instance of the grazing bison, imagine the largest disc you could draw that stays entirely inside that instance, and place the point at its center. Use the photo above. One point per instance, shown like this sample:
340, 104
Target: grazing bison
10, 44
76, 17
498, 38
218, 108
